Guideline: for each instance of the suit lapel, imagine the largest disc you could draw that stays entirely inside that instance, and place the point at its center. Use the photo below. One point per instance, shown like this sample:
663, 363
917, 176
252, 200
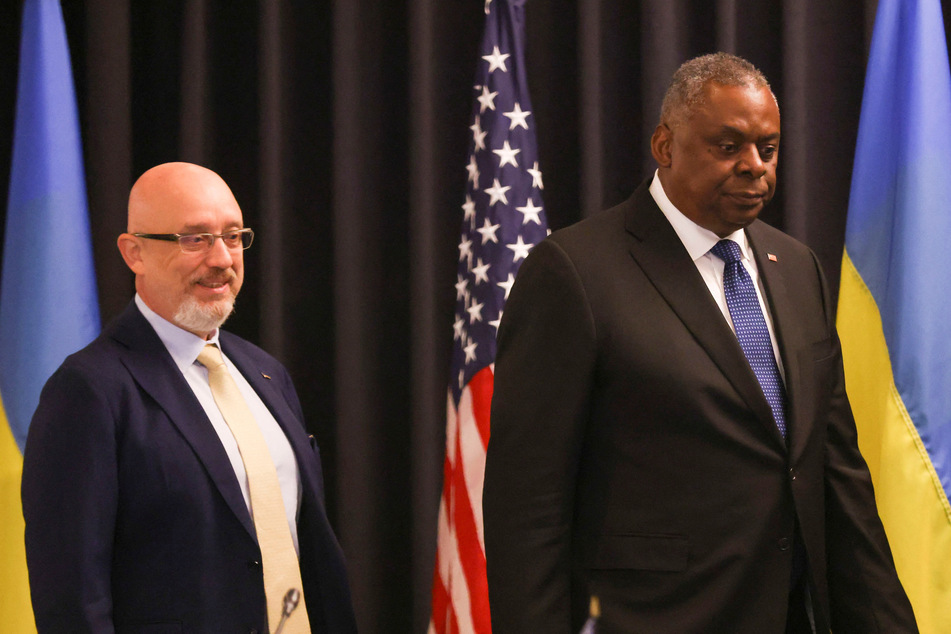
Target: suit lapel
658, 251
152, 367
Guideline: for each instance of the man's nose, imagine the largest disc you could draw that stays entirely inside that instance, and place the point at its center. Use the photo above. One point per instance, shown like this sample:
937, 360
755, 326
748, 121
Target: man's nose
751, 162
219, 255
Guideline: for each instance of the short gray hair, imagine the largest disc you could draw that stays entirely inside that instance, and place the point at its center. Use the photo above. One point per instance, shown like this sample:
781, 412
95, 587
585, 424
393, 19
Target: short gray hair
686, 86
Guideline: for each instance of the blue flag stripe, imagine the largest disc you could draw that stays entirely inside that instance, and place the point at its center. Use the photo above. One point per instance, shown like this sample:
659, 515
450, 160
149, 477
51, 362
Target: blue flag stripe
899, 217
48, 301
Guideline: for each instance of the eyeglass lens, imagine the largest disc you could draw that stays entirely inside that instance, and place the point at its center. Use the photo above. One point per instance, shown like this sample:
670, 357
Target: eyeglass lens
204, 241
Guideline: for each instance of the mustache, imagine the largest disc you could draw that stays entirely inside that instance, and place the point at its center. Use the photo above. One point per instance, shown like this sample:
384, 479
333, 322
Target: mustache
215, 276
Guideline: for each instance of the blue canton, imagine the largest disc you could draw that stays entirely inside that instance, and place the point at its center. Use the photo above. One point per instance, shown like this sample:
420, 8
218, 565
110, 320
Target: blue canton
503, 214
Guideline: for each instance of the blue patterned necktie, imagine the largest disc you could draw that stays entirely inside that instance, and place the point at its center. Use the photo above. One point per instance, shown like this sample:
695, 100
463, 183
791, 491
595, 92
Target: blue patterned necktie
750, 326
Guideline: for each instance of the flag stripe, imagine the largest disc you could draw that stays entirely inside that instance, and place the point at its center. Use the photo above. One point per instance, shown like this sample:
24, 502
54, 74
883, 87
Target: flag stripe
911, 500
898, 224
471, 446
895, 298
481, 387
471, 552
441, 604
48, 305
14, 590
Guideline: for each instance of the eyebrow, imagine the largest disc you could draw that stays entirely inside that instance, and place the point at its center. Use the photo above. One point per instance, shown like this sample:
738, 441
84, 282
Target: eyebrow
737, 132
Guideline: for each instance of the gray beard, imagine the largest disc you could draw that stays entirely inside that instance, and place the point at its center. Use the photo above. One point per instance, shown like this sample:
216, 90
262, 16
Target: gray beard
196, 317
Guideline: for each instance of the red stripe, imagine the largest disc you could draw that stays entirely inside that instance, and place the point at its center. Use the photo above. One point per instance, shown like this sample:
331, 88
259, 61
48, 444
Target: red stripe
443, 613
481, 387
470, 551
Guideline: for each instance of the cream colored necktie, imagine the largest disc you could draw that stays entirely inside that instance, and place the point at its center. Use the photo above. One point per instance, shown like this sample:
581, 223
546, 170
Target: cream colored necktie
278, 557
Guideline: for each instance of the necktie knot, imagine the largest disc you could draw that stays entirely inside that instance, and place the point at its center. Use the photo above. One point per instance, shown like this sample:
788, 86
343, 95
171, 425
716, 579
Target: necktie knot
210, 357
728, 251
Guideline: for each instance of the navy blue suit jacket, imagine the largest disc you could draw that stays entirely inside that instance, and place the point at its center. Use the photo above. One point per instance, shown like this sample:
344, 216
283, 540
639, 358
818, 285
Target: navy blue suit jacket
135, 520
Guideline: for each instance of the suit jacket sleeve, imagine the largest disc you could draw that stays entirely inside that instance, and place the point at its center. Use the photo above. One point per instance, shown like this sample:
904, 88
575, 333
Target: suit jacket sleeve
69, 503
544, 370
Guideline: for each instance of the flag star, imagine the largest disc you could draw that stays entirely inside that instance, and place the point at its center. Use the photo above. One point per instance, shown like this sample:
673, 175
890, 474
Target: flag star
495, 322
507, 285
478, 134
507, 155
469, 211
481, 272
531, 212
473, 169
487, 3
465, 249
486, 100
497, 192
470, 351
518, 117
459, 329
488, 232
497, 59
475, 312
462, 287
520, 248
536, 176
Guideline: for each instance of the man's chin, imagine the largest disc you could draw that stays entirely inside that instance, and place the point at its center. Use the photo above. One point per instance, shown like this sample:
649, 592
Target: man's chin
203, 317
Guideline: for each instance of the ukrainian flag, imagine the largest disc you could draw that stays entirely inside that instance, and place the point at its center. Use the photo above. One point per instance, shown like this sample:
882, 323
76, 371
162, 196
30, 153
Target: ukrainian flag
48, 305
894, 315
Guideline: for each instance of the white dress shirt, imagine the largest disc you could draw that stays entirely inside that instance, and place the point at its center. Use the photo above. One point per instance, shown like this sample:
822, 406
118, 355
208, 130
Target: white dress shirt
698, 242
185, 348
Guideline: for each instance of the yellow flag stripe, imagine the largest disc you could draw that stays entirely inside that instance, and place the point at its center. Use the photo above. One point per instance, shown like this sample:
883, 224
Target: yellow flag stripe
911, 501
15, 609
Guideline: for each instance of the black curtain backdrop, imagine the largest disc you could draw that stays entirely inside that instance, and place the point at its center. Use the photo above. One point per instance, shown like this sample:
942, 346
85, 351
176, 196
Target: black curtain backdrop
341, 126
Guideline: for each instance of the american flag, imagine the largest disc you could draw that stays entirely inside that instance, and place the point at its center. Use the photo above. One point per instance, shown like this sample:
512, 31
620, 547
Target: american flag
503, 218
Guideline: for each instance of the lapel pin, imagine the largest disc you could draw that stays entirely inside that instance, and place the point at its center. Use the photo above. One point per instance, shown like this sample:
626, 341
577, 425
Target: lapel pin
772, 258
266, 376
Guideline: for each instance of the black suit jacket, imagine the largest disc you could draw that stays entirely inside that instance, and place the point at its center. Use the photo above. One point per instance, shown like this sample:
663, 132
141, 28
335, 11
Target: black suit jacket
135, 521
634, 457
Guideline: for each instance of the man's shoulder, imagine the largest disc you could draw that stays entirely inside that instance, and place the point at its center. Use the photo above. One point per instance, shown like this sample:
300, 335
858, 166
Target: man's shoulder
597, 230
231, 341
769, 238
102, 357
244, 353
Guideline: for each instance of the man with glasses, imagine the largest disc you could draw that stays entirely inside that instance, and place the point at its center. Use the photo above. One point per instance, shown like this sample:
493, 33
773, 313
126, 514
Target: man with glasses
169, 483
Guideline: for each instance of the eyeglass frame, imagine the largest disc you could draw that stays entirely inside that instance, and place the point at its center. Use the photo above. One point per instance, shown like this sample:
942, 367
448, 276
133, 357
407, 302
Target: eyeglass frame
177, 237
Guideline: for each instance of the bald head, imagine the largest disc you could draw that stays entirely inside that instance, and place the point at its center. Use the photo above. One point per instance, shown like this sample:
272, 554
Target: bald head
163, 192
195, 289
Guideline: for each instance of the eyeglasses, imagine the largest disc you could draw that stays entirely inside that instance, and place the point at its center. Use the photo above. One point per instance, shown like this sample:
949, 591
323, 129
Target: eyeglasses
203, 242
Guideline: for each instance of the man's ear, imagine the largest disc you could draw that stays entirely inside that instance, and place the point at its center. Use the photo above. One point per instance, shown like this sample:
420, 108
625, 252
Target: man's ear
660, 145
131, 251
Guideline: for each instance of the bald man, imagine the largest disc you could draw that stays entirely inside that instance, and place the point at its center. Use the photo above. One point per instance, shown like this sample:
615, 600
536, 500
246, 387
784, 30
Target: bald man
140, 513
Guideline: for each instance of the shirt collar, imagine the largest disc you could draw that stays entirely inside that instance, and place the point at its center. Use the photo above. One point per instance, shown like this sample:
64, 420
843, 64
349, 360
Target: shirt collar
184, 346
697, 240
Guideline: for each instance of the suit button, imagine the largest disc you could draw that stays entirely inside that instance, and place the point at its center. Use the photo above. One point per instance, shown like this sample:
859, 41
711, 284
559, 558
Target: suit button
792, 474
253, 564
252, 631
783, 543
